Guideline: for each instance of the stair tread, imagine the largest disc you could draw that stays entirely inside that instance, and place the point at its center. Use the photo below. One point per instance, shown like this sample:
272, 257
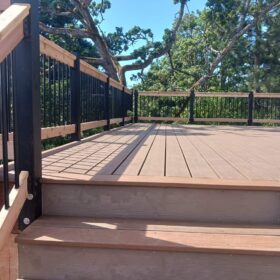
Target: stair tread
152, 235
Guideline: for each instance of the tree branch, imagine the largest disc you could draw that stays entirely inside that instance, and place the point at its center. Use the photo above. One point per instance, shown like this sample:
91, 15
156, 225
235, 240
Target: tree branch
154, 55
240, 31
72, 32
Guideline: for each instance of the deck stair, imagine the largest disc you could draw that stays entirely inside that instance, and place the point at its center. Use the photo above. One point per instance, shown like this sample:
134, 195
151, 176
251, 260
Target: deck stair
109, 229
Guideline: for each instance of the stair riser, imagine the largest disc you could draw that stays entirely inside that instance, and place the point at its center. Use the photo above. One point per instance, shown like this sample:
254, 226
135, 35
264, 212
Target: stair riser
178, 204
46, 262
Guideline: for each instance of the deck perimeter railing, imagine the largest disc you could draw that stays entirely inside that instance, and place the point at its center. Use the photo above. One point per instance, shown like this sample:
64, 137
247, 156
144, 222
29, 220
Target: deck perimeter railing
214, 107
46, 92
76, 97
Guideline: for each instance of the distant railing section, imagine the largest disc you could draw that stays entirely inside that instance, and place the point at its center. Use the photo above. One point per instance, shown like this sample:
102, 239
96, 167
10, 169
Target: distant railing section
226, 107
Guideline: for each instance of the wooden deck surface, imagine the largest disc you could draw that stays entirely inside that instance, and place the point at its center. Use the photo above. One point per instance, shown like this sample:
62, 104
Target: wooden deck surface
209, 152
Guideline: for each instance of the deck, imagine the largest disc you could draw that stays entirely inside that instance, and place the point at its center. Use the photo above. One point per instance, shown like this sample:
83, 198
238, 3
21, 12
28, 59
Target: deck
137, 151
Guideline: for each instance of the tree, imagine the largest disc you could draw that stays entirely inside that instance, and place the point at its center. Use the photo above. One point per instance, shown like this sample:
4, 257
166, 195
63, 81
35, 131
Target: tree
80, 19
221, 49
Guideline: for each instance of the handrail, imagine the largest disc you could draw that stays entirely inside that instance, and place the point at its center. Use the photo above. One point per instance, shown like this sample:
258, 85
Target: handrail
92, 71
51, 49
56, 52
220, 107
207, 94
11, 28
8, 217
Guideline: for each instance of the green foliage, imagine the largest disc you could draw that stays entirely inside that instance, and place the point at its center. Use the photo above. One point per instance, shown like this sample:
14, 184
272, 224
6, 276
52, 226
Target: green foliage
253, 64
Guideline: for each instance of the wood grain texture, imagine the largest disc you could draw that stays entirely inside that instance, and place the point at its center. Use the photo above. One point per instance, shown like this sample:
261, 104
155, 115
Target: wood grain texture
9, 260
8, 217
92, 71
10, 42
12, 18
56, 131
56, 52
116, 84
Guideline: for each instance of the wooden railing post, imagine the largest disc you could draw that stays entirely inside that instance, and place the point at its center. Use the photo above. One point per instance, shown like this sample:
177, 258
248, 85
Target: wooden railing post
136, 97
192, 101
28, 114
107, 105
250, 108
76, 99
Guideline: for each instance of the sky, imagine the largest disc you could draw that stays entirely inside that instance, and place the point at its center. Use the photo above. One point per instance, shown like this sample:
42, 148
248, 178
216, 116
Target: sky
154, 14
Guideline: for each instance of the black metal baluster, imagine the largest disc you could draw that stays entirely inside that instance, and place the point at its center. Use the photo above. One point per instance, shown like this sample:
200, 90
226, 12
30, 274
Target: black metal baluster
5, 133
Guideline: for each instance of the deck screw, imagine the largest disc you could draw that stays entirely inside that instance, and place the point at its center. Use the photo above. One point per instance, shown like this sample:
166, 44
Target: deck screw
30, 196
26, 221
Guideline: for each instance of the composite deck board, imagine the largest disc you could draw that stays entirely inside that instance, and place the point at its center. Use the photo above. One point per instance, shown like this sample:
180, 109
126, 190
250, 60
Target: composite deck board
151, 235
263, 158
223, 168
248, 163
120, 157
85, 157
176, 164
198, 165
133, 164
214, 152
154, 164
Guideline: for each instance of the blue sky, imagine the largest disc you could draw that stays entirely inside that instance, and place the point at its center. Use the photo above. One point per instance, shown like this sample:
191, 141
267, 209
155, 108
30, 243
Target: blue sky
155, 14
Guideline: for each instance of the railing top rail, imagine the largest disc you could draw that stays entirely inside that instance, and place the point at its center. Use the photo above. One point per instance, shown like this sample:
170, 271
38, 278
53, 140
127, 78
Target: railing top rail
208, 94
11, 28
51, 49
116, 84
92, 71
11, 18
56, 52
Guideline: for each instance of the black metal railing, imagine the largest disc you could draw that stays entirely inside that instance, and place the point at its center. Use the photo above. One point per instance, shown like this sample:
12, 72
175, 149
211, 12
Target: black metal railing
7, 121
92, 98
210, 107
55, 92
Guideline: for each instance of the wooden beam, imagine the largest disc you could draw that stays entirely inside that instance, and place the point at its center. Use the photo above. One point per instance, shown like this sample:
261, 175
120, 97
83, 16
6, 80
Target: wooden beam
225, 95
92, 71
165, 94
266, 121
10, 150
116, 121
11, 28
128, 91
94, 124
208, 94
8, 217
127, 119
221, 120
11, 18
164, 119
4, 4
52, 132
267, 95
56, 52
116, 84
